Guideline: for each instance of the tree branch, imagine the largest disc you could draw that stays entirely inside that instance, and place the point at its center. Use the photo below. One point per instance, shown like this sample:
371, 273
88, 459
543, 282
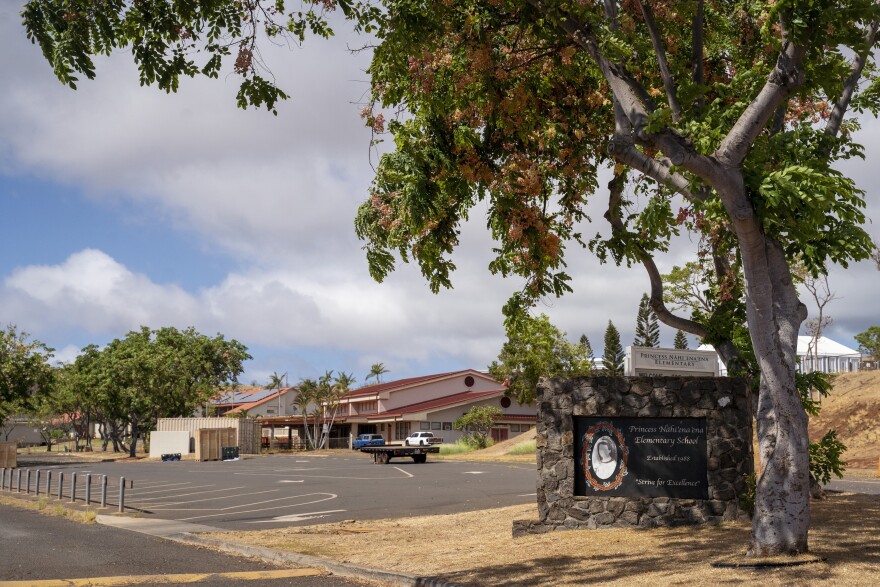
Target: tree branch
615, 188
623, 149
849, 86
697, 48
660, 51
786, 76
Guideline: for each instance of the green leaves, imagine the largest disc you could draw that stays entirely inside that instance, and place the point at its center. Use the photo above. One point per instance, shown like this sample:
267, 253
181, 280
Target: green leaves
534, 349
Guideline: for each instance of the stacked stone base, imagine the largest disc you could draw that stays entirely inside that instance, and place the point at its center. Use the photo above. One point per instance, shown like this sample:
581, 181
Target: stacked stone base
631, 512
722, 401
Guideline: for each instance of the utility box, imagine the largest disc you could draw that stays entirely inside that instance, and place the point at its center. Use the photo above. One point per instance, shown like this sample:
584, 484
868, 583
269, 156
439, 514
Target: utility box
210, 441
229, 453
9, 455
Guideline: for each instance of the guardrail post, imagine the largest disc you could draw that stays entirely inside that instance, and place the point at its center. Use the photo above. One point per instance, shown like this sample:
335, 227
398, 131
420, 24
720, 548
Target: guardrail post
27, 482
73, 488
103, 491
37, 484
60, 483
18, 480
121, 494
49, 483
88, 489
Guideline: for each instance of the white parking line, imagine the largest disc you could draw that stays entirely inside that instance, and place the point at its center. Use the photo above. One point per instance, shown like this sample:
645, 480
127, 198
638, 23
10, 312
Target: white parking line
407, 473
527, 495
177, 495
138, 494
472, 472
291, 481
164, 506
296, 517
225, 511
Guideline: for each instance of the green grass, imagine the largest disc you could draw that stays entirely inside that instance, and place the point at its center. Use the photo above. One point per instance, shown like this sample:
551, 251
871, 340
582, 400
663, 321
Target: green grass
526, 448
459, 448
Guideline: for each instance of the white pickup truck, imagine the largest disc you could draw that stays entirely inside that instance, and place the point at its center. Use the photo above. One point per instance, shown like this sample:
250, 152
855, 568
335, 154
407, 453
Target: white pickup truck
422, 439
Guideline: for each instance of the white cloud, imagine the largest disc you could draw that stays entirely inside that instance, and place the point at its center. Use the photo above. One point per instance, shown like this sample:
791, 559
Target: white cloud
279, 195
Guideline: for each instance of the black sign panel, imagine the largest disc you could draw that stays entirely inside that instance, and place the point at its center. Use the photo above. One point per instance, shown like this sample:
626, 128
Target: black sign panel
641, 457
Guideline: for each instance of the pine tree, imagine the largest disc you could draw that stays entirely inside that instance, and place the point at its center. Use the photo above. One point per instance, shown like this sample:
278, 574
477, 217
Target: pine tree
585, 342
612, 359
681, 341
647, 327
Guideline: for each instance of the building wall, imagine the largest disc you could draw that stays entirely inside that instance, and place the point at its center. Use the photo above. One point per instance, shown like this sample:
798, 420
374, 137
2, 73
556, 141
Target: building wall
436, 389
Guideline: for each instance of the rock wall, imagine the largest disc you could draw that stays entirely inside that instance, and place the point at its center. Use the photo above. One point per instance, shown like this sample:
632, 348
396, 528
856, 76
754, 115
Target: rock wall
722, 402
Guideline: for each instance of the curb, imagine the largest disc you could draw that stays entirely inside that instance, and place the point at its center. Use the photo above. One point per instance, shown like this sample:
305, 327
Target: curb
275, 556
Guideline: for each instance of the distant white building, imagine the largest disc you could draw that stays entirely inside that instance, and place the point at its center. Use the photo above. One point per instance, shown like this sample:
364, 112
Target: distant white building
828, 356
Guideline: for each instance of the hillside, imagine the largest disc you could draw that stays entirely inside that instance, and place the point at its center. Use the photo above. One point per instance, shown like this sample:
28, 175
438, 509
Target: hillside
853, 409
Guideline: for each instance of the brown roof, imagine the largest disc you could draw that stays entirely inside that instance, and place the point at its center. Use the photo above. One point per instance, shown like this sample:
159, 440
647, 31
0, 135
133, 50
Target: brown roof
240, 407
391, 385
441, 402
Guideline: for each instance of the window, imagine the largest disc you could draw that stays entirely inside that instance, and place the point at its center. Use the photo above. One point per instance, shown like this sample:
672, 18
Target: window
447, 425
514, 427
401, 430
436, 425
424, 425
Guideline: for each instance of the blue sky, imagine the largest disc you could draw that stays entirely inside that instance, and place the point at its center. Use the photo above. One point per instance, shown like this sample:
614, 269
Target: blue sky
124, 206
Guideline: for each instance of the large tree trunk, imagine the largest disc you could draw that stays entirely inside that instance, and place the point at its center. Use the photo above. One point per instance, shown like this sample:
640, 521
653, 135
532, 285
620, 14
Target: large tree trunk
782, 503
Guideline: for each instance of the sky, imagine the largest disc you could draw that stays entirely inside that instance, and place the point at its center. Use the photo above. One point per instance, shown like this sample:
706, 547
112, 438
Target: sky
123, 206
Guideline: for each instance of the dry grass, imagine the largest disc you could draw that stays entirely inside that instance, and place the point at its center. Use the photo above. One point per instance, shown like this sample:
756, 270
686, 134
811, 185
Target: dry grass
476, 548
61, 510
853, 409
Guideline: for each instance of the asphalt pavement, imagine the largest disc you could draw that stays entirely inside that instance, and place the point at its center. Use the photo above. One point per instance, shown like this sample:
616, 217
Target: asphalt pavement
277, 491
37, 547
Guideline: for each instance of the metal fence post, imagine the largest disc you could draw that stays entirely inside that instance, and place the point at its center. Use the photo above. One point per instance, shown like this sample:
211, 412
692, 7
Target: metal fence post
2, 478
121, 494
73, 488
27, 482
103, 491
88, 489
49, 483
18, 480
60, 483
37, 484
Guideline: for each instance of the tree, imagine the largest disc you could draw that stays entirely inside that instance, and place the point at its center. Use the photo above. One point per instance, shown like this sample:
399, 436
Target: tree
612, 358
149, 374
647, 329
681, 341
535, 348
735, 113
24, 370
869, 342
588, 348
477, 424
376, 372
308, 402
276, 381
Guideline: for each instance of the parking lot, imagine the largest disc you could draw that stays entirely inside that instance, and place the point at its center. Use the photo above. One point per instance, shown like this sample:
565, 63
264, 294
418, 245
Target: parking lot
276, 491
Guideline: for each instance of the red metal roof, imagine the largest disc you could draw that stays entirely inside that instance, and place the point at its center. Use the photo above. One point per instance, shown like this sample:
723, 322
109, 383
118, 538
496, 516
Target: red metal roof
239, 407
380, 387
440, 402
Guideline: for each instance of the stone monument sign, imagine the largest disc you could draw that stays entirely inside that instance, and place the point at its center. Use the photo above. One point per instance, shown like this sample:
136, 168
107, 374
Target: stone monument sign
640, 451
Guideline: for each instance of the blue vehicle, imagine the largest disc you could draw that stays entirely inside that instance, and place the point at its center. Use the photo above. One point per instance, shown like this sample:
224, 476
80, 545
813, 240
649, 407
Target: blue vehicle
368, 440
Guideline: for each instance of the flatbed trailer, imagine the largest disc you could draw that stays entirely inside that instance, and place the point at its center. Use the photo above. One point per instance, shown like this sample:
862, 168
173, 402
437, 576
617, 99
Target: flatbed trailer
383, 454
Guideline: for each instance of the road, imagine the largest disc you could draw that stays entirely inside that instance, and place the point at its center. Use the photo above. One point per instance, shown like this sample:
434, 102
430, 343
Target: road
277, 491
853, 485
38, 547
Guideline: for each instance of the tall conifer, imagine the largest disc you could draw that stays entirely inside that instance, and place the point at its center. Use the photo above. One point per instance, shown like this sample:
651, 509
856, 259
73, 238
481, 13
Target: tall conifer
612, 359
647, 327
681, 340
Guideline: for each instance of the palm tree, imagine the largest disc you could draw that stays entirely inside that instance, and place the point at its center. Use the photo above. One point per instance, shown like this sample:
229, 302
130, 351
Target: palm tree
307, 394
376, 372
276, 381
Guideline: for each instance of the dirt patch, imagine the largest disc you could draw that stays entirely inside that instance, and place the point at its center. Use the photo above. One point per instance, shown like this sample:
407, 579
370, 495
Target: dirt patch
853, 410
476, 548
